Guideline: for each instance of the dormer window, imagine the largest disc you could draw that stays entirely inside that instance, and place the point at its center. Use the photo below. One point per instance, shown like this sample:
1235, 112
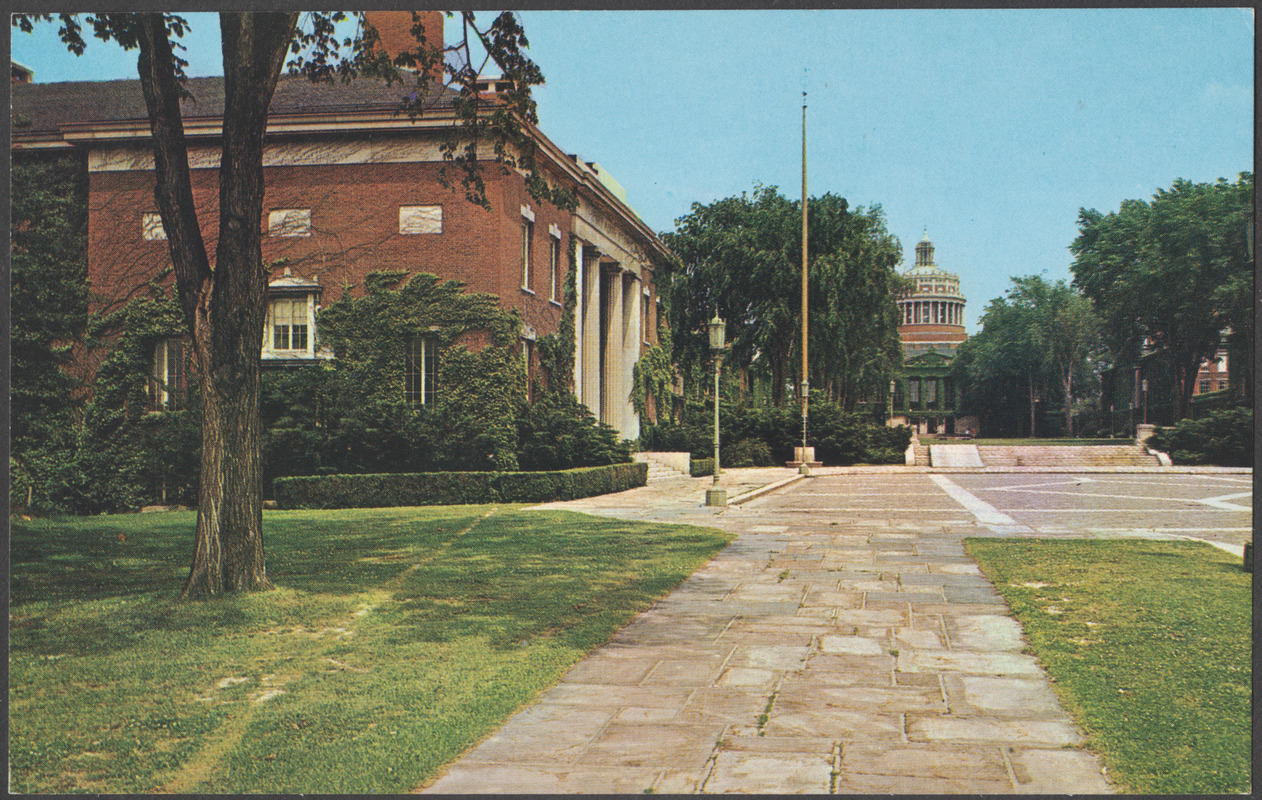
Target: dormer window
289, 324
289, 331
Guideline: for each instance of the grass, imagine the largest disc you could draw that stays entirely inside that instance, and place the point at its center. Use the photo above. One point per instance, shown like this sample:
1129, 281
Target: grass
1148, 644
397, 638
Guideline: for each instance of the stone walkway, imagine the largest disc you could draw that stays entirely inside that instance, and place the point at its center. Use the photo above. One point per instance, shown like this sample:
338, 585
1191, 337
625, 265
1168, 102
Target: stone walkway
843, 647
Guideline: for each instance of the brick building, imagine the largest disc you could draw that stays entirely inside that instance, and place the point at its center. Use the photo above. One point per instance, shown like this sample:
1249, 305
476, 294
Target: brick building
352, 188
931, 329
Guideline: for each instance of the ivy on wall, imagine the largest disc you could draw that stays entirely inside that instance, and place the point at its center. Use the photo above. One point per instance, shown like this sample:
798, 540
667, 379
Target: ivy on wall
120, 453
653, 376
477, 392
556, 350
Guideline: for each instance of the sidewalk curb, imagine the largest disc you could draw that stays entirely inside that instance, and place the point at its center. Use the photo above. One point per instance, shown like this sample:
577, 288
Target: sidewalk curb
761, 490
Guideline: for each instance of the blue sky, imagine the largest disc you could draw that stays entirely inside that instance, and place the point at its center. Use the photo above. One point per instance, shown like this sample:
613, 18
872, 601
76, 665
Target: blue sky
990, 128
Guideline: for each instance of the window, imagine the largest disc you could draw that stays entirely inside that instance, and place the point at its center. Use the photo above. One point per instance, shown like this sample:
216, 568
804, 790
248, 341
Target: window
527, 233
931, 392
168, 374
913, 391
528, 353
646, 325
289, 324
420, 219
1207, 386
421, 371
151, 227
554, 267
289, 222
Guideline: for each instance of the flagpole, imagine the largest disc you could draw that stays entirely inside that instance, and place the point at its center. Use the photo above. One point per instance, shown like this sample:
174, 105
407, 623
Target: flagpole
805, 386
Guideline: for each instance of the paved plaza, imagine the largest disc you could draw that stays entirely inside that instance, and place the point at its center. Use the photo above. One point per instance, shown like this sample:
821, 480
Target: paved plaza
843, 643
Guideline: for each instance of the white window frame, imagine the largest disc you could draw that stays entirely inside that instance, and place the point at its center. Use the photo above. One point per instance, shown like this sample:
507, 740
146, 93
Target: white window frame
527, 237
293, 303
165, 386
427, 391
554, 262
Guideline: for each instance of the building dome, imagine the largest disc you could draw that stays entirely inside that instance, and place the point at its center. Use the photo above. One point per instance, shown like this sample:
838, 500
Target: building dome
933, 308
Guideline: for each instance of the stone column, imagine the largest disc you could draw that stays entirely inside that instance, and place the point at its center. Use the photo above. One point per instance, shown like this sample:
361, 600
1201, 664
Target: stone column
631, 335
609, 405
591, 331
580, 307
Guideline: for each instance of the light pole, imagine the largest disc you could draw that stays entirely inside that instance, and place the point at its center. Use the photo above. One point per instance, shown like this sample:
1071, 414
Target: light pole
893, 386
716, 495
1143, 386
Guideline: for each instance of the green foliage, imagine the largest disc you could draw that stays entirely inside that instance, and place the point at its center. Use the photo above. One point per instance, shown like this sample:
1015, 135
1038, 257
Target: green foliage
1040, 343
1223, 438
478, 391
556, 350
455, 488
558, 432
344, 417
48, 295
741, 257
1176, 272
701, 467
767, 434
748, 453
653, 376
120, 455
1149, 644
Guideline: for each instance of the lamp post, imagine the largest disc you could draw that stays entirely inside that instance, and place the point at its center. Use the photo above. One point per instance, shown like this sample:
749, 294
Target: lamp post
1143, 386
893, 386
716, 495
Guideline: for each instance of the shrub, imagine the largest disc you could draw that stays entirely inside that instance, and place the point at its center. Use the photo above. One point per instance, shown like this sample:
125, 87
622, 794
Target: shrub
699, 467
747, 453
1223, 438
558, 432
455, 488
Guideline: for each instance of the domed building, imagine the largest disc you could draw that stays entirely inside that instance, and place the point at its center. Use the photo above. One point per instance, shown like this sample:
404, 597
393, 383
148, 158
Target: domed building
931, 330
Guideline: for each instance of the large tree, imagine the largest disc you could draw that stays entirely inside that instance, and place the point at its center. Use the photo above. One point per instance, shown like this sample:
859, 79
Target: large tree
1041, 340
741, 257
223, 297
1173, 273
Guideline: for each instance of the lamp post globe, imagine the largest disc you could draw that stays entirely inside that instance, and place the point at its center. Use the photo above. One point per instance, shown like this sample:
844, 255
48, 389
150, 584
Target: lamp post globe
716, 495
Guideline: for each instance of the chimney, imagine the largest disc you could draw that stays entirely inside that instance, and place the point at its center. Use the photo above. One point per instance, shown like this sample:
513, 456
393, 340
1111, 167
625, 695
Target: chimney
394, 30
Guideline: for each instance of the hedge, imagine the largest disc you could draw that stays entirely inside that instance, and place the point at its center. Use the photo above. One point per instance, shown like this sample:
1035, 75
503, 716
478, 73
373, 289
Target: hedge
455, 488
700, 467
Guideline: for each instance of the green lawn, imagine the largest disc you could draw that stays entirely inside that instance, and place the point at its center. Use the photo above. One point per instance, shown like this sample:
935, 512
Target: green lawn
397, 638
1148, 644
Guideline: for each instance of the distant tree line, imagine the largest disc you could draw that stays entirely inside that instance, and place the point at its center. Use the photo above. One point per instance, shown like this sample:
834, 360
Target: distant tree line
1158, 287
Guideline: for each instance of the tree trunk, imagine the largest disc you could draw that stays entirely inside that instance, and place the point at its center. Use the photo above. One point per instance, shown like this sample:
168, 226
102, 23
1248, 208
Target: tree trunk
224, 307
1068, 383
1033, 421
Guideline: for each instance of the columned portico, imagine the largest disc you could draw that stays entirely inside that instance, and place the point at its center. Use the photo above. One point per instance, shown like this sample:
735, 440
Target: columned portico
608, 326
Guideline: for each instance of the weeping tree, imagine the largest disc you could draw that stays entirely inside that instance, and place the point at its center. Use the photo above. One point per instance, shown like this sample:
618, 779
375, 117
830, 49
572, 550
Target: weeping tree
223, 298
741, 256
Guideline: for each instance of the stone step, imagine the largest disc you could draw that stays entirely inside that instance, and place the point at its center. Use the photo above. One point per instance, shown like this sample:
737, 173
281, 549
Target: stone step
1066, 456
921, 454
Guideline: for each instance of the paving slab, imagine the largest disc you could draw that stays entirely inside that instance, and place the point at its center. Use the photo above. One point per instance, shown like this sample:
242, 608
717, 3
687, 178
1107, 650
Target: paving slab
844, 642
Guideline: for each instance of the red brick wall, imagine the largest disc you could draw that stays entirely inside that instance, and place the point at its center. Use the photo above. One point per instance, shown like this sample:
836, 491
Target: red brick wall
355, 230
